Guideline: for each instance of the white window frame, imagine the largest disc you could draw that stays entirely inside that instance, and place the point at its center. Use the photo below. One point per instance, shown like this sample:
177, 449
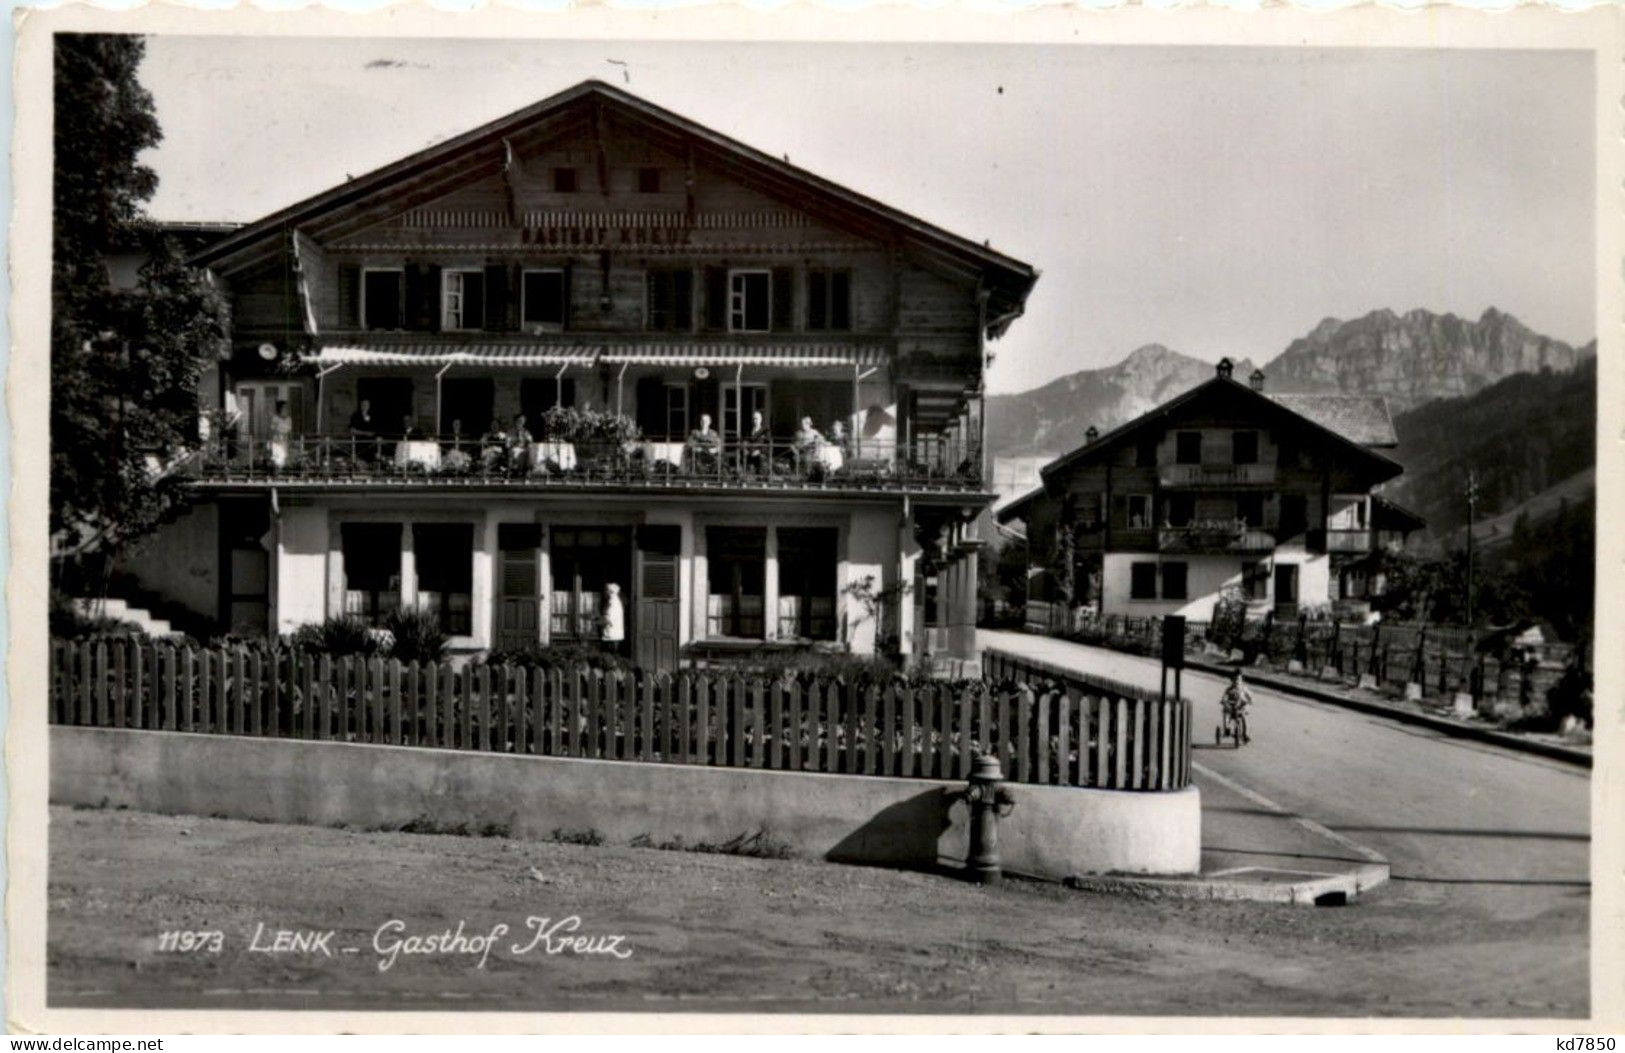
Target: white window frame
266, 394
738, 306
731, 409
524, 312
362, 296
446, 295
1150, 513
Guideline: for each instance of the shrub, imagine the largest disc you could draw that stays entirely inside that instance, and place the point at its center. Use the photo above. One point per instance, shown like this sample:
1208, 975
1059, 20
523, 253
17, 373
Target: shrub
566, 654
340, 635
417, 636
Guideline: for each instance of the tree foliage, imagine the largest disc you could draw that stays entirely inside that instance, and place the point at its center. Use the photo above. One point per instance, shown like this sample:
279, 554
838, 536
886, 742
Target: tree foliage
124, 361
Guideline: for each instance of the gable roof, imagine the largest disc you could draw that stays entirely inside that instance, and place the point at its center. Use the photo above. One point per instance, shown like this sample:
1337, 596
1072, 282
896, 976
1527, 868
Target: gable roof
1017, 509
1383, 466
1360, 418
1008, 279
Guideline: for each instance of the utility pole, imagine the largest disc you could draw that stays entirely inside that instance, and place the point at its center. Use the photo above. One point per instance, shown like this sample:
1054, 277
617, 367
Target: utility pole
1472, 516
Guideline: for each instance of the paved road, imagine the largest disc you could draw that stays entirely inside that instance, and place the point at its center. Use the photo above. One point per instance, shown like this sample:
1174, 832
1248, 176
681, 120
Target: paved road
1493, 834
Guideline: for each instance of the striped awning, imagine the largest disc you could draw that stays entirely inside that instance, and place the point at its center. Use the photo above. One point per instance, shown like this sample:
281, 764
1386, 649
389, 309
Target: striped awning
526, 356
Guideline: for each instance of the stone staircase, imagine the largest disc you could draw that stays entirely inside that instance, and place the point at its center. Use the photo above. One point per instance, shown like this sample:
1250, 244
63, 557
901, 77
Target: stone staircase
120, 610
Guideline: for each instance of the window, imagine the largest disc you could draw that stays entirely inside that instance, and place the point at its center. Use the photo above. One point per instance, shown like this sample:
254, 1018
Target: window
1244, 447
372, 570
462, 299
542, 299
584, 561
734, 424
737, 559
1255, 581
1173, 581
1179, 509
1250, 509
648, 180
1286, 454
1188, 447
257, 400
1142, 581
564, 180
670, 299
676, 402
807, 560
1139, 511
1145, 453
383, 297
750, 301
444, 553
829, 300
1294, 515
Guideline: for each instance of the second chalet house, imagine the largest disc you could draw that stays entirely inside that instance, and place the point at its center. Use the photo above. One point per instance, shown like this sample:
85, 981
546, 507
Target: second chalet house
594, 343
1223, 487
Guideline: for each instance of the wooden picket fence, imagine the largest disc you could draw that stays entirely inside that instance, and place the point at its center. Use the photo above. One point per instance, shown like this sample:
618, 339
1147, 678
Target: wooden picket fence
1043, 731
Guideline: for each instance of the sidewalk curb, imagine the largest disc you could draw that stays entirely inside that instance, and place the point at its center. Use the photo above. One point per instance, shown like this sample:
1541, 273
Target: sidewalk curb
1460, 729
1312, 888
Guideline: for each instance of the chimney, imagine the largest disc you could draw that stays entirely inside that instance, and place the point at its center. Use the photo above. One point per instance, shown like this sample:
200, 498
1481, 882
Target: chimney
1226, 368
1257, 380
1092, 434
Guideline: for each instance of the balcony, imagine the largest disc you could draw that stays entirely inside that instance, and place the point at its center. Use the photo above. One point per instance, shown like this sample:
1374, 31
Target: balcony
1348, 541
320, 462
1217, 537
1216, 474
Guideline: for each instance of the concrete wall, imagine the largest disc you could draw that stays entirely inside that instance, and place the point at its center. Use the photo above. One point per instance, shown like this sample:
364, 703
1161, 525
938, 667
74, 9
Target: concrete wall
1206, 576
181, 562
1053, 832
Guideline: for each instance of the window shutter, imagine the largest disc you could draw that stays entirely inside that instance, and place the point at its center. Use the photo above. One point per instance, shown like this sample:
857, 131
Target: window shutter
682, 300
412, 297
716, 298
350, 296
567, 293
784, 300
511, 309
496, 297
840, 300
431, 296
651, 407
817, 300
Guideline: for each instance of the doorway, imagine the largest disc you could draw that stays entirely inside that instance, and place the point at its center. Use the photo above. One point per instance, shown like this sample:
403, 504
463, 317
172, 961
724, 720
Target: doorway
654, 625
519, 601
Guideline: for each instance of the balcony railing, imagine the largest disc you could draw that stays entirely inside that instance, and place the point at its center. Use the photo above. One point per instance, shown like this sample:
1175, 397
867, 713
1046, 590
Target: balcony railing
1219, 536
1217, 474
744, 464
1348, 541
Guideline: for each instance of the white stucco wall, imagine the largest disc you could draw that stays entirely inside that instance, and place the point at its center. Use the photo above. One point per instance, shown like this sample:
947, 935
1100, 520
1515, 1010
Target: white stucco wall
300, 574
181, 561
1205, 578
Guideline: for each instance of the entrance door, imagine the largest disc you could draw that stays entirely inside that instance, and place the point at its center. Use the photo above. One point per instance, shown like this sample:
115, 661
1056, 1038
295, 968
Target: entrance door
245, 600
518, 599
1286, 590
655, 624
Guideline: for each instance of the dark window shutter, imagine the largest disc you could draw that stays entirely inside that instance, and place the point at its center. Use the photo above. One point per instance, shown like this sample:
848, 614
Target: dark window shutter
569, 273
784, 300
511, 311
682, 300
651, 407
817, 300
412, 305
431, 296
716, 298
654, 298
840, 300
349, 296
496, 297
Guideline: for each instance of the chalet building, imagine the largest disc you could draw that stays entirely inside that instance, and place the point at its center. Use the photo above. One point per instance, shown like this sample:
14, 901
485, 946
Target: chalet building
1225, 487
594, 343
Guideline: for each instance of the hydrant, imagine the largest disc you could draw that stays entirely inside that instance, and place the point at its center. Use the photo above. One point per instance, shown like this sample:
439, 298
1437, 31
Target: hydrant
988, 799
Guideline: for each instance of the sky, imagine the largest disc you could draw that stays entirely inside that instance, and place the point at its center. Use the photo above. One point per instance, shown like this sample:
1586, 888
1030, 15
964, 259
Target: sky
1218, 201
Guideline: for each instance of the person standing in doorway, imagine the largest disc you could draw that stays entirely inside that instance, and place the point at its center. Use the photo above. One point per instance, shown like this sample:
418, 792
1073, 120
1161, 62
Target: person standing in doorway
614, 620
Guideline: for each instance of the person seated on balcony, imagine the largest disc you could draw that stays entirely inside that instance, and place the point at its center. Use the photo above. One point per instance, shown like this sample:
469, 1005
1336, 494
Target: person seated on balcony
704, 445
493, 447
364, 430
519, 445
838, 438
281, 434
409, 428
758, 444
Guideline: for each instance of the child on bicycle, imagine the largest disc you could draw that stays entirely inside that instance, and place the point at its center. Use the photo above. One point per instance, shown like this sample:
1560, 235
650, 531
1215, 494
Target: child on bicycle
1236, 697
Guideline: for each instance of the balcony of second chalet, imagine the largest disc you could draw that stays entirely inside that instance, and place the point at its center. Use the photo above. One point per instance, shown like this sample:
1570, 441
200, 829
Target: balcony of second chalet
1214, 536
1176, 475
1340, 540
698, 463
